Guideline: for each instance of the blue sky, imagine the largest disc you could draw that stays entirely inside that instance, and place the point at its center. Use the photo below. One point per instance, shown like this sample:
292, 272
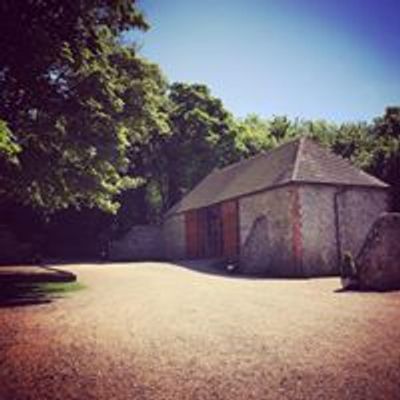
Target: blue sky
338, 60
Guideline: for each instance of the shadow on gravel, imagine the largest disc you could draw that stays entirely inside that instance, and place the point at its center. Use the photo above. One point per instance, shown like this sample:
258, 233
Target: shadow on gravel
350, 291
225, 269
210, 267
21, 287
13, 294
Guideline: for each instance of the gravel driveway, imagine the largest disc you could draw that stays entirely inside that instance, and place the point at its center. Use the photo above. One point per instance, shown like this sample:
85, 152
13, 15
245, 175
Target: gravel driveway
160, 331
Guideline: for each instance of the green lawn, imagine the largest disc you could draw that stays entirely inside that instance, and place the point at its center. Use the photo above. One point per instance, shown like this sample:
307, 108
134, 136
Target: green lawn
60, 287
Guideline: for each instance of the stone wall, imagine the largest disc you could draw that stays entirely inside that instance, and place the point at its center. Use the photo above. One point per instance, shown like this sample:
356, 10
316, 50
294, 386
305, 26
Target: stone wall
359, 209
142, 242
318, 231
322, 209
292, 230
266, 233
174, 237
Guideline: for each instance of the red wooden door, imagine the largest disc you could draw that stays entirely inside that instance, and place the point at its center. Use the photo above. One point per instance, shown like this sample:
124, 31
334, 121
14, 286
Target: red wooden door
191, 229
230, 228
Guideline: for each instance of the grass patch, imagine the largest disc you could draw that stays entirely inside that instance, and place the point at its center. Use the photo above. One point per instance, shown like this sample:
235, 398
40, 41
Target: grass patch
60, 287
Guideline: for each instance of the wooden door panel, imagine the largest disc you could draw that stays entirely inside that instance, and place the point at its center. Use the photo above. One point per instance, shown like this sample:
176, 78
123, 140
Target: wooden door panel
201, 233
230, 228
191, 229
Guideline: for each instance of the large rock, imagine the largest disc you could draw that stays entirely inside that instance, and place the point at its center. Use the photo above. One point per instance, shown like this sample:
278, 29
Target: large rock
256, 253
378, 263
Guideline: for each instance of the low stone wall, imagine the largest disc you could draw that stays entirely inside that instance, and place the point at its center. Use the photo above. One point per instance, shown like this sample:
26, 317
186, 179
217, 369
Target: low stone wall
142, 242
174, 237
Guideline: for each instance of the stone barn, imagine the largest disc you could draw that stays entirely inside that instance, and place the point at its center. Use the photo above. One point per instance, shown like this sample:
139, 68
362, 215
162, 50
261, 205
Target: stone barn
293, 211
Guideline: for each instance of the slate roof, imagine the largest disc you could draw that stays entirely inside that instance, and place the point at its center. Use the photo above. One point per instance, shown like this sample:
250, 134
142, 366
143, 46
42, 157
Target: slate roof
301, 160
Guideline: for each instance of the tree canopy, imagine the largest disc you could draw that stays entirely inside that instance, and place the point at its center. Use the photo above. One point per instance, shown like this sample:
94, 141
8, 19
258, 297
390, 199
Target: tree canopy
64, 85
385, 152
201, 137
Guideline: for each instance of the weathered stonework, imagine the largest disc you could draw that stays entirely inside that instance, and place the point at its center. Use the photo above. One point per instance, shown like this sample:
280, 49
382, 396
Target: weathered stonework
295, 230
174, 237
142, 242
266, 233
336, 220
359, 209
318, 230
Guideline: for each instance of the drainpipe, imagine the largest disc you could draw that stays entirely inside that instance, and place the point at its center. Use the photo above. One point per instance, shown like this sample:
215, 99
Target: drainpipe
337, 224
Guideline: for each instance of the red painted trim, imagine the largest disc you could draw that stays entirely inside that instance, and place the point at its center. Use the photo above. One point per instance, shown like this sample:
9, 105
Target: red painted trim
297, 240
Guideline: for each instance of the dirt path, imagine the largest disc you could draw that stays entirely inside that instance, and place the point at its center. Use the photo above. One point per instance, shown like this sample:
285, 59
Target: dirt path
159, 331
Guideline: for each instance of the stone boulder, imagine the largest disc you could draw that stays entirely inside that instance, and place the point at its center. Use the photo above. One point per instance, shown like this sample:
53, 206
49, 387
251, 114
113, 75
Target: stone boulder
378, 263
256, 252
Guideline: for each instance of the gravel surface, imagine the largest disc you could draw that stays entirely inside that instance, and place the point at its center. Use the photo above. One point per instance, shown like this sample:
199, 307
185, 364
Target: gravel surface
159, 331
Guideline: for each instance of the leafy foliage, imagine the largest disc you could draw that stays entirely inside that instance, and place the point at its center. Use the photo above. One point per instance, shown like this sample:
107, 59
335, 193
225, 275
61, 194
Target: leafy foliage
202, 137
385, 162
254, 135
8, 148
63, 90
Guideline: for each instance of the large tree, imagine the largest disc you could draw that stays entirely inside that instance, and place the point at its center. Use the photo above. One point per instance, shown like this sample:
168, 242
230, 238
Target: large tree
386, 152
71, 101
254, 136
202, 137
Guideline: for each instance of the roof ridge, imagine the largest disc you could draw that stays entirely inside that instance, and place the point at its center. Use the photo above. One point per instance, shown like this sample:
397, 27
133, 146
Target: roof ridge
329, 156
297, 158
354, 167
242, 161
259, 154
